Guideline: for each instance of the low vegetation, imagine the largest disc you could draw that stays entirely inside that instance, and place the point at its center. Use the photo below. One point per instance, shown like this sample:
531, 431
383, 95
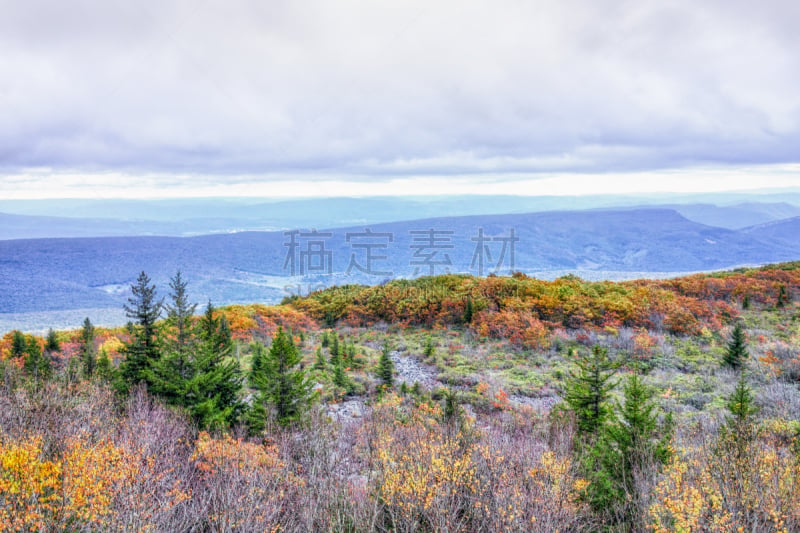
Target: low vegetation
449, 403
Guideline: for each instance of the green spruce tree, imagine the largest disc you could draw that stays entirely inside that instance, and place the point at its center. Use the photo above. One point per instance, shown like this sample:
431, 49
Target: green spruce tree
224, 336
215, 329
180, 315
783, 296
105, 369
282, 385
319, 360
469, 311
385, 369
746, 302
197, 373
340, 378
335, 352
258, 362
143, 348
587, 392
51, 343
212, 393
36, 364
88, 352
736, 353
18, 344
632, 446
740, 430
430, 349
732, 460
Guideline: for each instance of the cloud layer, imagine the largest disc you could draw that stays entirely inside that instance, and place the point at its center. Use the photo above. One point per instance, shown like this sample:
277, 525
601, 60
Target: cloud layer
381, 90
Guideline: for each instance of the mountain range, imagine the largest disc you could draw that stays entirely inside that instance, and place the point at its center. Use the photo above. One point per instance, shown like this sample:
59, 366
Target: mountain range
56, 274
188, 217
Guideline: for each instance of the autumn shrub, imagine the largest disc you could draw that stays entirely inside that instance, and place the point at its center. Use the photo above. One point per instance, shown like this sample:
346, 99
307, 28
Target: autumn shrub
72, 490
699, 491
439, 477
243, 486
520, 327
744, 476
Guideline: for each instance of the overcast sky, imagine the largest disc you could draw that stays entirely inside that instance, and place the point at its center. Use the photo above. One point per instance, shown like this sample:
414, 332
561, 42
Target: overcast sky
211, 97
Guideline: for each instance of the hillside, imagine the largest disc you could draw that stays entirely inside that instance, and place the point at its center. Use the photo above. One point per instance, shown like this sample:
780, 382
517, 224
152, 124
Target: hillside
784, 232
478, 426
62, 274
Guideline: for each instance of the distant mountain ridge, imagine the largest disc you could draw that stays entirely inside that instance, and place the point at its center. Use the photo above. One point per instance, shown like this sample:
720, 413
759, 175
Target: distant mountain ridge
61, 274
785, 232
199, 217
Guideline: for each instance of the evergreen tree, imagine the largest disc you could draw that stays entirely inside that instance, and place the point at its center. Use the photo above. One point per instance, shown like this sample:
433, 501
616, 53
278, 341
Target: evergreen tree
335, 353
215, 329
224, 335
386, 367
143, 349
179, 314
736, 353
340, 378
746, 302
170, 375
336, 357
51, 343
197, 374
319, 361
258, 362
733, 456
740, 429
626, 450
36, 364
282, 384
18, 344
212, 393
51, 346
88, 352
451, 411
207, 385
587, 391
430, 349
72, 375
469, 311
209, 324
105, 369
783, 296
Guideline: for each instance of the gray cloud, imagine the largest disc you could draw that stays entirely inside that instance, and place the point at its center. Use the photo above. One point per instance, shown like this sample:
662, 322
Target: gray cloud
378, 88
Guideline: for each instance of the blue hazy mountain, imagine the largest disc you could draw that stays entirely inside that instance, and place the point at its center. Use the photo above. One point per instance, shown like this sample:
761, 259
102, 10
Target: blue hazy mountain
59, 274
781, 232
186, 217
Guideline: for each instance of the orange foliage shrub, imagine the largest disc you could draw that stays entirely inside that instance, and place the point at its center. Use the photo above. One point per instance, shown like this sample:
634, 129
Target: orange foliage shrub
75, 489
246, 484
521, 328
262, 320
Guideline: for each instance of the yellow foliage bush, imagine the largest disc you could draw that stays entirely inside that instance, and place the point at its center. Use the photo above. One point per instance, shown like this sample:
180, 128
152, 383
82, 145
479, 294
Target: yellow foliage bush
74, 489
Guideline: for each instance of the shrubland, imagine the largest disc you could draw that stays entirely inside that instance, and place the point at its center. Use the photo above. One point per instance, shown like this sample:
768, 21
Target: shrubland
448, 403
